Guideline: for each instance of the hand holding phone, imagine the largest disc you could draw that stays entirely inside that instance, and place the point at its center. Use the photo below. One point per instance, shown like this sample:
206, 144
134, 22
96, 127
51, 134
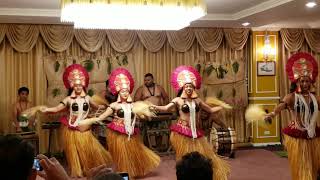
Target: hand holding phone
36, 164
52, 169
125, 176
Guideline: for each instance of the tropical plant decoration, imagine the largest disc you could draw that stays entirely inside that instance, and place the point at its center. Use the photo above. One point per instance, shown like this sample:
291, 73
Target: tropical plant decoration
220, 94
109, 68
56, 92
88, 65
221, 71
234, 92
235, 67
118, 60
98, 63
56, 66
121, 60
91, 92
125, 60
198, 67
209, 69
65, 63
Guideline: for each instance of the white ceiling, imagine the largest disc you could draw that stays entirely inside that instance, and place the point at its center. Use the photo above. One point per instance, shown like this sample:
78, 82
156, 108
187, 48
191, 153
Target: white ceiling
262, 14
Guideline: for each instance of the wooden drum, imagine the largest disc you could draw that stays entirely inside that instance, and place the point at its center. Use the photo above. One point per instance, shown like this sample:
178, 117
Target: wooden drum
223, 141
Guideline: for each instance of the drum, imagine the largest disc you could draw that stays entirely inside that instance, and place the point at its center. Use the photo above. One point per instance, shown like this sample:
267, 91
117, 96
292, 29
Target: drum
223, 141
156, 133
51, 126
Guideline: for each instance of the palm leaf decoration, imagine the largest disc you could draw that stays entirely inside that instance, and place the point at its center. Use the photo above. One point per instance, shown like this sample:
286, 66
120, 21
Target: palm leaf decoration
56, 92
98, 63
88, 65
220, 94
65, 63
235, 67
125, 60
56, 66
198, 67
90, 92
221, 72
209, 69
109, 65
234, 92
118, 60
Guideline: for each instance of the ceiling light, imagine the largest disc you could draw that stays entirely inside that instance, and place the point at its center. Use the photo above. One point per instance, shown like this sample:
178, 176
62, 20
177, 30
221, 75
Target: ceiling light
311, 4
246, 24
132, 14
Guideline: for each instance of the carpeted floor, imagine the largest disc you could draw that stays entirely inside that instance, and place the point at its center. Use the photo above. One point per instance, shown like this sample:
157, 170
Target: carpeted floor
255, 164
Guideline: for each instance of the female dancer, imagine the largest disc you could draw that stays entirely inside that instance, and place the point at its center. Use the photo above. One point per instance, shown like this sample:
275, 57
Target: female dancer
185, 136
128, 152
82, 149
301, 137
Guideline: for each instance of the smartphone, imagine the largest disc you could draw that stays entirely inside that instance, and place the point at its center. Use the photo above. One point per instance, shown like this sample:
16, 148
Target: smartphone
36, 164
125, 176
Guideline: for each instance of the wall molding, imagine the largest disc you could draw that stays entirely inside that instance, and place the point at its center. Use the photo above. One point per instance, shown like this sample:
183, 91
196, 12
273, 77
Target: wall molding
265, 98
265, 144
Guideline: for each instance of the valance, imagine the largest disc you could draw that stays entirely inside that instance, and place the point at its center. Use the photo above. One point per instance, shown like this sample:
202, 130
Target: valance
59, 37
293, 39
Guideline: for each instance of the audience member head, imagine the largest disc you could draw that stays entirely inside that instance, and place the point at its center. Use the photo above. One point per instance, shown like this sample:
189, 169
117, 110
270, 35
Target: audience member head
107, 176
148, 80
16, 157
23, 93
194, 166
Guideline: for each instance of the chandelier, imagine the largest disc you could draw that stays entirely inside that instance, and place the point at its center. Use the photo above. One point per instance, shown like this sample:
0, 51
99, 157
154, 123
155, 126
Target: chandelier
268, 51
132, 14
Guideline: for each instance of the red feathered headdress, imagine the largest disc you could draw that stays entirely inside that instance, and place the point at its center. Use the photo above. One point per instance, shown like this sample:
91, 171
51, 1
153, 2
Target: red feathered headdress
183, 75
302, 64
120, 78
75, 74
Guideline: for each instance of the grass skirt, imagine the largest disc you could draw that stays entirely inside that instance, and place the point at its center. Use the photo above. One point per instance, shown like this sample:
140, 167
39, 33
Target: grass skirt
184, 145
304, 157
83, 151
132, 155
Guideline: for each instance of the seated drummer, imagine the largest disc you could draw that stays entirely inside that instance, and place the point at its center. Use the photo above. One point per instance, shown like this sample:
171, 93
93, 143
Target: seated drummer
155, 94
151, 92
22, 103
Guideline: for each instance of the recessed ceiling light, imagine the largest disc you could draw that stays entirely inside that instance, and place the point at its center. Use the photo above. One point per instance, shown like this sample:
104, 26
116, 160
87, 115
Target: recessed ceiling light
311, 4
246, 24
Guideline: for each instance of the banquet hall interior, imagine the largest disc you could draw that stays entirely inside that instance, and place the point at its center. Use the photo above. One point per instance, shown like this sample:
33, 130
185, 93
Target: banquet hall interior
256, 60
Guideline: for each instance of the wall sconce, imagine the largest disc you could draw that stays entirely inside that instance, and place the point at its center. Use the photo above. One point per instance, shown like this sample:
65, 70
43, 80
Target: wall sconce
268, 51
